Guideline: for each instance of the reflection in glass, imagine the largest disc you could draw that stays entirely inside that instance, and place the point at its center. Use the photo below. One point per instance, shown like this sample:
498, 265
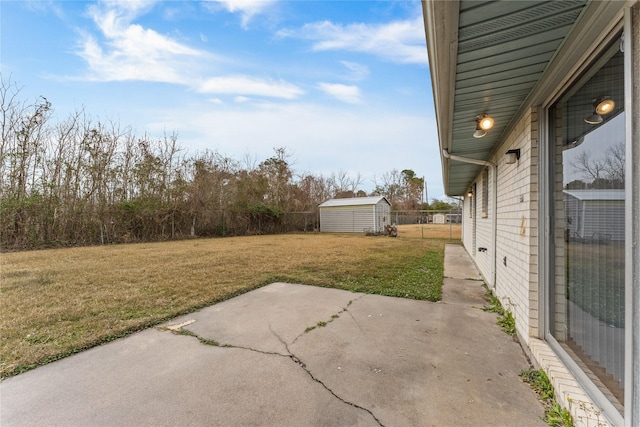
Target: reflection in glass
588, 299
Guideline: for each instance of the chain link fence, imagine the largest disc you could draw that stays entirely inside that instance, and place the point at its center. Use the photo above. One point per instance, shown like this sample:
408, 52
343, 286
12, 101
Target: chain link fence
34, 230
427, 217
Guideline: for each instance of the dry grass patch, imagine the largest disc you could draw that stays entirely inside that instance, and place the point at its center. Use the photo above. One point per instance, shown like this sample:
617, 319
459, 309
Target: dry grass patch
57, 302
431, 231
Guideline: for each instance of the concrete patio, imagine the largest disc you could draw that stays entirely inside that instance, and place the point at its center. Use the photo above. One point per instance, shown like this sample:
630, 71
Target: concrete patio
296, 355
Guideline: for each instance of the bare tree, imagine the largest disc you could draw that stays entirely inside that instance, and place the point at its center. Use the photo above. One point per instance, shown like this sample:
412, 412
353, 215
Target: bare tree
604, 172
614, 162
345, 185
591, 169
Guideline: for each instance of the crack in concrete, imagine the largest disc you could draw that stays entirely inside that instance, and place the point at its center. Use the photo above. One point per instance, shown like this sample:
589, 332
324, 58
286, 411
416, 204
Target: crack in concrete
214, 343
303, 365
325, 323
290, 355
313, 377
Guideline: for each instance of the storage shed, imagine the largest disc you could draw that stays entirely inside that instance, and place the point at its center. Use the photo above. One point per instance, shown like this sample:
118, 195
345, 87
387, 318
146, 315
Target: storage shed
438, 219
594, 214
355, 215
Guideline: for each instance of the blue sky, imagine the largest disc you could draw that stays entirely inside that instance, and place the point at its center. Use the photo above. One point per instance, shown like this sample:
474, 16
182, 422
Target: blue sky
343, 85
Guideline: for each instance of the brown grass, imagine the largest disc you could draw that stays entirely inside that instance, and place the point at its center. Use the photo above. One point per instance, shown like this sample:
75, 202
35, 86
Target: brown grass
431, 231
57, 302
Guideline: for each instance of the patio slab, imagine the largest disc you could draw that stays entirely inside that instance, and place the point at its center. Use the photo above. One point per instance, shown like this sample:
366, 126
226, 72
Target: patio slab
292, 355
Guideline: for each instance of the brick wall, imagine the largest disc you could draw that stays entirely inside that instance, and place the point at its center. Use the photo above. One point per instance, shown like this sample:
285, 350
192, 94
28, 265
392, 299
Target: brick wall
516, 236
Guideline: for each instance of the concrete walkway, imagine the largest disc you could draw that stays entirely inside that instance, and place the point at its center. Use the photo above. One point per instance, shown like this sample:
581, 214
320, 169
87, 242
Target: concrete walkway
255, 360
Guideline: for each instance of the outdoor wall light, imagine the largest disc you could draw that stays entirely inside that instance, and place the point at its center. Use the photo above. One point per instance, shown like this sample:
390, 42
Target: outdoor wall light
603, 105
512, 156
483, 124
469, 193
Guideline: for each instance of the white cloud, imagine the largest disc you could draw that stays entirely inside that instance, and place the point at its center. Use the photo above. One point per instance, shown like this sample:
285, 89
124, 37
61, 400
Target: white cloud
357, 71
244, 85
398, 41
133, 8
46, 6
247, 9
132, 52
345, 93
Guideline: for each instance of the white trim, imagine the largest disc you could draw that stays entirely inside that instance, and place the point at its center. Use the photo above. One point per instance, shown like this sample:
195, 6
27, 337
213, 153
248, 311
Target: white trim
544, 226
632, 252
443, 53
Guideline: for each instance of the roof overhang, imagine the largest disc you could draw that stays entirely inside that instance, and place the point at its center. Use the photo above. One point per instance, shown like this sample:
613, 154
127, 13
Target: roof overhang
500, 58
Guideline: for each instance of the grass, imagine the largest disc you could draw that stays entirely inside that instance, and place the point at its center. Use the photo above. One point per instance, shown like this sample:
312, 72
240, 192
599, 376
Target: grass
505, 318
554, 414
57, 302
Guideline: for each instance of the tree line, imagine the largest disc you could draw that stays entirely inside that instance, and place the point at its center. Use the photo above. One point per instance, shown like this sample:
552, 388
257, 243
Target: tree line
80, 181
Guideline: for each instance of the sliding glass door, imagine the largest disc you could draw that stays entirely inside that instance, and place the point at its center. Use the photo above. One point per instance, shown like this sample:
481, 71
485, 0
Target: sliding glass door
588, 294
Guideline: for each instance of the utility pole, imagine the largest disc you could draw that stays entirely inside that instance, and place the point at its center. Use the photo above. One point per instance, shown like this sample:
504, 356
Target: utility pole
426, 192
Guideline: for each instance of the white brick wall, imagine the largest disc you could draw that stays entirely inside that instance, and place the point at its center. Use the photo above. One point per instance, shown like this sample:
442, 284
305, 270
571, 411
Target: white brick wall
516, 239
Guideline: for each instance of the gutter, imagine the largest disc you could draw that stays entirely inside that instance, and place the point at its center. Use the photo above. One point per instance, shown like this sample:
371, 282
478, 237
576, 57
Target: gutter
494, 167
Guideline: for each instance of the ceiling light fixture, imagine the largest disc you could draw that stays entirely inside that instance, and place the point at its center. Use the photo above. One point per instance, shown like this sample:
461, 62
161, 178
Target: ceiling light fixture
483, 124
601, 106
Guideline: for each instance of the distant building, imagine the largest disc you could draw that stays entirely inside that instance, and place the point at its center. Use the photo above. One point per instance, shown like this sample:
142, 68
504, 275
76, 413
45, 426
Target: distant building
439, 219
594, 214
355, 215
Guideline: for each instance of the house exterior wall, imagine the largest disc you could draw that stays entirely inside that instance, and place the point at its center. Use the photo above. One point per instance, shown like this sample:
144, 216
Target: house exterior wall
522, 249
516, 234
516, 251
517, 283
481, 228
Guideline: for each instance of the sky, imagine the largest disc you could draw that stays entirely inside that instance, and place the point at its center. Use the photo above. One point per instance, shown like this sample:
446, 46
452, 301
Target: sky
344, 86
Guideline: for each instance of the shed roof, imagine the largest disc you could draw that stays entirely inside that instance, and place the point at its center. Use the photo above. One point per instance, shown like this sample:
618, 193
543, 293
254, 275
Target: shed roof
354, 201
617, 194
499, 58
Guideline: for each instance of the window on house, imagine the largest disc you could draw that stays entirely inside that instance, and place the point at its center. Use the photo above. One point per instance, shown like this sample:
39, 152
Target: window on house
485, 192
587, 304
